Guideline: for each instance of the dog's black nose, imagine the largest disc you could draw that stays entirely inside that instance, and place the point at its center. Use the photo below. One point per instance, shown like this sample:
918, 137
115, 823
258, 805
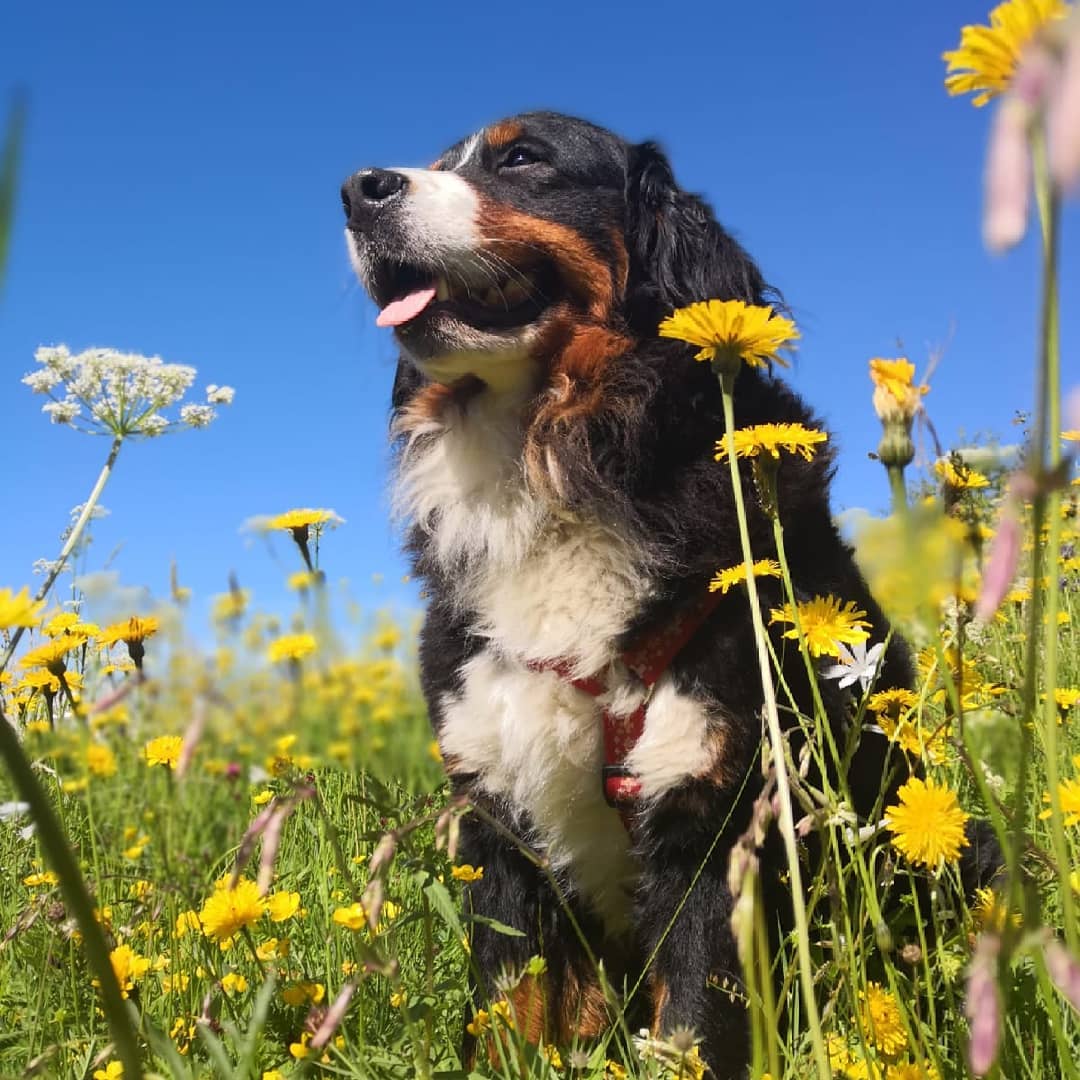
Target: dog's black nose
368, 191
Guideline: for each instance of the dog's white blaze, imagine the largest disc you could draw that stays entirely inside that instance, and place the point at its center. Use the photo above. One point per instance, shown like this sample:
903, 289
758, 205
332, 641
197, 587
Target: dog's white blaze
673, 746
441, 211
534, 739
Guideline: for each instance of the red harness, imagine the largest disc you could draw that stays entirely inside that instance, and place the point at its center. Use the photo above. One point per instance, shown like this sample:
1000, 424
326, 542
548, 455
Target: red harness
647, 659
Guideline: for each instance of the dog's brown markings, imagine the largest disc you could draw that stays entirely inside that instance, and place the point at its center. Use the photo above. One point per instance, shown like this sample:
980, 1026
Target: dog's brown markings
720, 770
660, 996
503, 133
578, 357
528, 1006
522, 239
435, 166
621, 262
582, 1011
430, 403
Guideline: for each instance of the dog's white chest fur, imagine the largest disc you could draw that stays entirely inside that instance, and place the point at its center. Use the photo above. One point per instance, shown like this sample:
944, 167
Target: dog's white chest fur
539, 585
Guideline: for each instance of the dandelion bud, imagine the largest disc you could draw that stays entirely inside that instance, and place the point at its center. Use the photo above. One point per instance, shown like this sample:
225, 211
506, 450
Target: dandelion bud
1008, 177
896, 450
1064, 971
983, 1005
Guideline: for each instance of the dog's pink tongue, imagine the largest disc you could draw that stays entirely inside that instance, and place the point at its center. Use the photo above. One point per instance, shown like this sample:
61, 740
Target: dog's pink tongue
408, 307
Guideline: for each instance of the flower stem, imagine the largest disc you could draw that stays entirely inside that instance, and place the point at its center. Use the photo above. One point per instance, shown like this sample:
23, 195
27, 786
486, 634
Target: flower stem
77, 899
783, 785
70, 543
1046, 458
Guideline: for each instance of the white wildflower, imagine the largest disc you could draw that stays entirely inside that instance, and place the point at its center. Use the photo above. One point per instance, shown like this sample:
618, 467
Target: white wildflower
220, 395
857, 664
197, 416
61, 412
123, 394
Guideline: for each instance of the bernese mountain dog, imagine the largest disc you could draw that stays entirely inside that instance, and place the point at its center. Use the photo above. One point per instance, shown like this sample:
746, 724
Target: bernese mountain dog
555, 470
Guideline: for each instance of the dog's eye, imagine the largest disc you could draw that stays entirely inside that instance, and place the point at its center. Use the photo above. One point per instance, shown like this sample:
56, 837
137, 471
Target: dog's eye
517, 156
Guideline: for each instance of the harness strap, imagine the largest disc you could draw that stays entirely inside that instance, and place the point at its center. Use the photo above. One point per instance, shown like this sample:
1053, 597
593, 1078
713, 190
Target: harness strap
647, 659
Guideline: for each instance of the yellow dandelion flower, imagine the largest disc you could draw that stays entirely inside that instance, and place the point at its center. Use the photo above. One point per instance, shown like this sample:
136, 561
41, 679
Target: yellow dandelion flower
302, 993
131, 631
68, 622
1067, 436
164, 750
43, 877
282, 905
892, 702
987, 57
303, 518
185, 921
234, 983
502, 1010
273, 1074
302, 580
750, 442
113, 1071
1069, 797
910, 1070
614, 1071
398, 998
553, 1056
927, 823
723, 580
230, 606
881, 1018
128, 967
51, 654
290, 647
262, 797
895, 394
1066, 698
230, 910
480, 1023
434, 752
299, 1050
467, 873
100, 760
990, 912
352, 917
958, 475
826, 624
273, 948
751, 332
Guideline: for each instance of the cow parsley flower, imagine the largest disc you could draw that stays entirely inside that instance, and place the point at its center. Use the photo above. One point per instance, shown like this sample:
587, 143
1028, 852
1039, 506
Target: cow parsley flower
104, 391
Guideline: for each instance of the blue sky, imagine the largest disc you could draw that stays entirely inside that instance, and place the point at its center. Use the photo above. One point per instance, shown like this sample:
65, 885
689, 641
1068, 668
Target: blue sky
179, 196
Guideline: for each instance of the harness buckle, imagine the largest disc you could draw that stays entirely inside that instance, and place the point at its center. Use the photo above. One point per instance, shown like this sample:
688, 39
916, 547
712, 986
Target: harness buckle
620, 785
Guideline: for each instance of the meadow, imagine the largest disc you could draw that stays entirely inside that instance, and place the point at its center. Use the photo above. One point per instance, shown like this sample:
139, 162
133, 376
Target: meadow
231, 850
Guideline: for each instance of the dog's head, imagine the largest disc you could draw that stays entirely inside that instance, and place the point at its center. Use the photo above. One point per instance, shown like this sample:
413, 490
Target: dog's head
527, 233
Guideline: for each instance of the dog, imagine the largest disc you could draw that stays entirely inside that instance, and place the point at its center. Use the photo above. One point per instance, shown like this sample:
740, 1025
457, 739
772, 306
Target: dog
555, 470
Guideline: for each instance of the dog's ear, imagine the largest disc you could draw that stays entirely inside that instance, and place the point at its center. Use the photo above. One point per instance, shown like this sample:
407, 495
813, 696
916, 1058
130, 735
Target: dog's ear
678, 252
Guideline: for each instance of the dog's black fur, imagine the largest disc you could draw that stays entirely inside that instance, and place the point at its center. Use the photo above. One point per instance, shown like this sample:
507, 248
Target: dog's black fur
619, 428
